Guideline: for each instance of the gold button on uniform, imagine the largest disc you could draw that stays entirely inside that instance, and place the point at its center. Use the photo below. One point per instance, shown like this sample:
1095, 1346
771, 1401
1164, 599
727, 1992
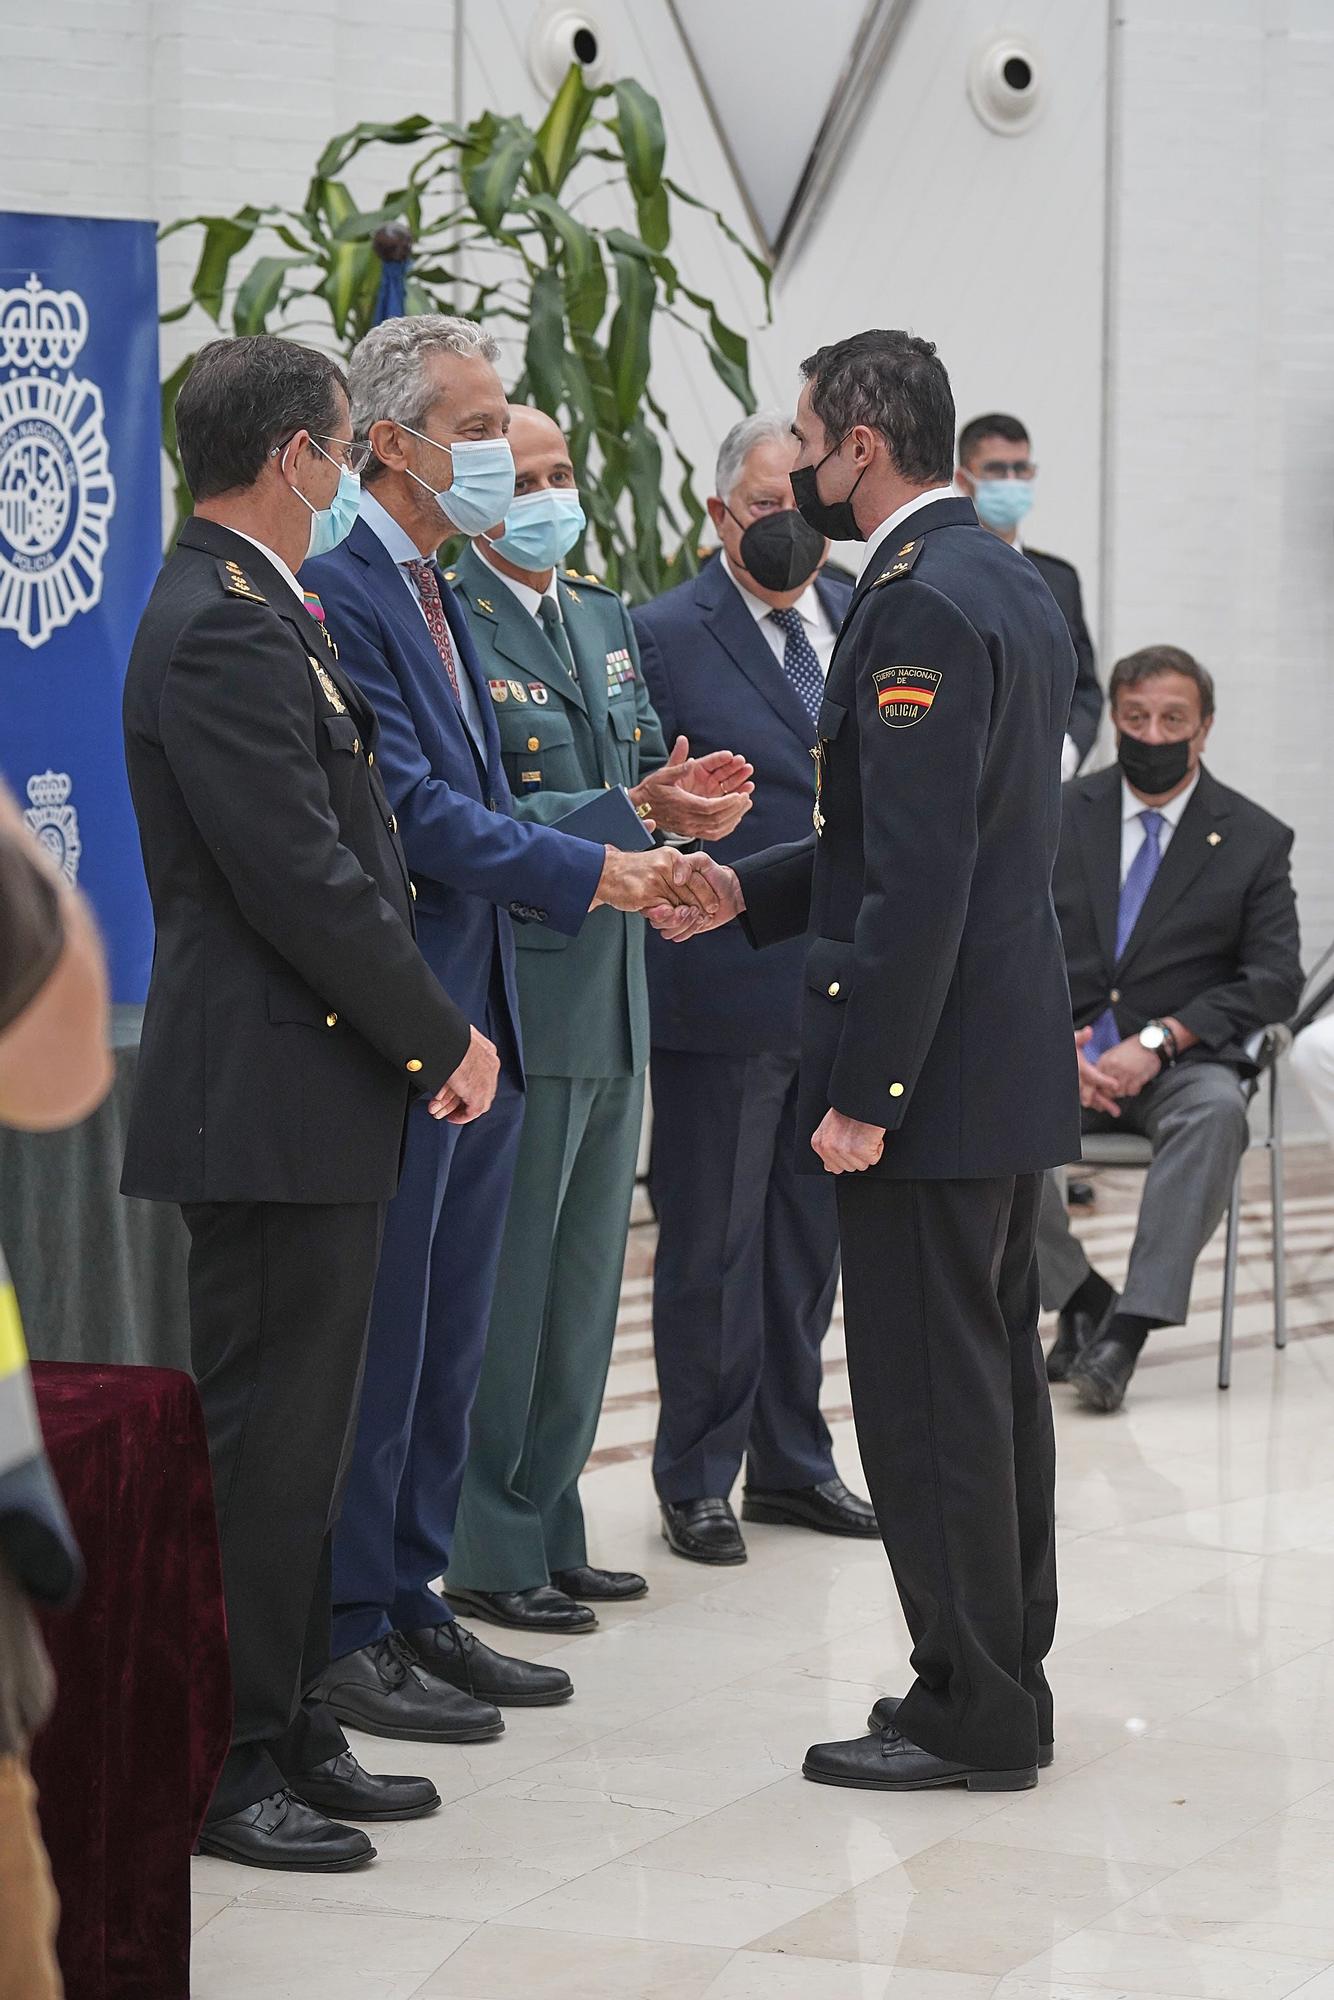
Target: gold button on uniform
356, 743
638, 734
896, 1090
370, 757
1116, 994
834, 989
533, 743
414, 1064
331, 1020
413, 887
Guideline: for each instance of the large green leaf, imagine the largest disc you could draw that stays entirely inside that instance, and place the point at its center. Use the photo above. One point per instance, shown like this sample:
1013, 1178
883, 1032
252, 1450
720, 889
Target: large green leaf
638, 126
584, 272
491, 185
260, 291
224, 237
353, 278
402, 132
654, 220
559, 133
757, 263
545, 349
628, 341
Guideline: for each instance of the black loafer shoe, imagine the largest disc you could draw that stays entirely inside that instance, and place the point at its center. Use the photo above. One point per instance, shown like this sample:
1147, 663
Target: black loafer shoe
884, 1761
828, 1508
343, 1790
600, 1586
1075, 1331
1101, 1374
383, 1690
281, 1832
461, 1659
704, 1531
541, 1609
883, 1714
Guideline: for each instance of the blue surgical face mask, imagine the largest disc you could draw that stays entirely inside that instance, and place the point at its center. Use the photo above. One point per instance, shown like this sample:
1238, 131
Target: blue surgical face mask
541, 528
332, 524
483, 481
1002, 503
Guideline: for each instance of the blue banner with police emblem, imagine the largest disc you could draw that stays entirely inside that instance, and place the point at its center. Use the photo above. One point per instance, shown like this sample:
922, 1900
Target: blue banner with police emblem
80, 545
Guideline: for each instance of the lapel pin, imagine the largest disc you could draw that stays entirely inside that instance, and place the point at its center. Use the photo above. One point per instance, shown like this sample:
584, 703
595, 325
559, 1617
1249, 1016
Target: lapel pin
1215, 839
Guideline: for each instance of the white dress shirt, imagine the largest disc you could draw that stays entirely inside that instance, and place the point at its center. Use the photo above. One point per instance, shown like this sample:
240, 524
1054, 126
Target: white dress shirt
819, 631
530, 599
272, 556
1133, 835
401, 548
899, 516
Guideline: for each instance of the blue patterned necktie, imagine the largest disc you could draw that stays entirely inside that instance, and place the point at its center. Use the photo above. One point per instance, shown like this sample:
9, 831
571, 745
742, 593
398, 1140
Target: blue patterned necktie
801, 662
1134, 891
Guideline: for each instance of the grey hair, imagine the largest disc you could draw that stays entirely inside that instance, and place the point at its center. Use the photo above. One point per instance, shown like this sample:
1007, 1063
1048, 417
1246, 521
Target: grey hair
386, 376
764, 427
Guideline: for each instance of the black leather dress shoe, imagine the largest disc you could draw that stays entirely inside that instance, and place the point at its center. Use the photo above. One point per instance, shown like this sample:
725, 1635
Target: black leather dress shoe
383, 1690
829, 1508
883, 1714
1076, 1330
461, 1659
704, 1531
1101, 1374
343, 1790
884, 1761
281, 1832
600, 1586
541, 1609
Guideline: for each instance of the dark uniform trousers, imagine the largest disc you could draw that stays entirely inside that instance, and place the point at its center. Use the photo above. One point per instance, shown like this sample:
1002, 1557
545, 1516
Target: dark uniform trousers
744, 1279
954, 1424
280, 1294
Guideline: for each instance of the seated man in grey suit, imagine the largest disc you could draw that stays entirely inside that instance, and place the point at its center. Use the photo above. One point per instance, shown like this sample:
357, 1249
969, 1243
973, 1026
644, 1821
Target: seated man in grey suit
1176, 905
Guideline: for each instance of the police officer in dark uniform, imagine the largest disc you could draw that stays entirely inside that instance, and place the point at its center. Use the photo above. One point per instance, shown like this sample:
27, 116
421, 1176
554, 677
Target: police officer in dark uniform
937, 1078
290, 1019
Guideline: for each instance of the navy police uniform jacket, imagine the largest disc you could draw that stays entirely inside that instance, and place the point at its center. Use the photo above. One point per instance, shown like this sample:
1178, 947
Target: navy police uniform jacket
290, 1014
936, 1002
713, 678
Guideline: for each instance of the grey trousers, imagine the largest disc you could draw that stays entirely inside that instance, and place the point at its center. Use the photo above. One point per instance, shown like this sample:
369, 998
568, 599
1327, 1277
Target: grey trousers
1195, 1117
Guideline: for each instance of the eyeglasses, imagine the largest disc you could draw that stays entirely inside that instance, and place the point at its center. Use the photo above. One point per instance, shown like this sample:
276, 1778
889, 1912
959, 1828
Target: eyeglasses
1005, 468
356, 452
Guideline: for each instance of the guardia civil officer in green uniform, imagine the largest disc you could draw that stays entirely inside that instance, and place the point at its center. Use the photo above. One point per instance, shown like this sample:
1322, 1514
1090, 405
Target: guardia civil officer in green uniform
559, 653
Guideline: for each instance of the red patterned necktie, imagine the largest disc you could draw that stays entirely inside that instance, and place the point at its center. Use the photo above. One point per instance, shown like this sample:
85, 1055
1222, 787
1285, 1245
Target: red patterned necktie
422, 572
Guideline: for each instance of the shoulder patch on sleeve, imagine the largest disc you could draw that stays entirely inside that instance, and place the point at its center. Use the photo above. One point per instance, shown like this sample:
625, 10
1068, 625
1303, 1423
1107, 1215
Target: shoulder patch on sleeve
901, 563
904, 694
237, 584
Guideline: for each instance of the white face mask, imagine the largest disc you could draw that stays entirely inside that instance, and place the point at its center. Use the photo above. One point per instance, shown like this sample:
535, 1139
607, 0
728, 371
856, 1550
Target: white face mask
483, 481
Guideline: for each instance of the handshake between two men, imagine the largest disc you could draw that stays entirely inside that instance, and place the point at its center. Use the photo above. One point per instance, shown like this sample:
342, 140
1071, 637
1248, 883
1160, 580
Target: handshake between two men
695, 798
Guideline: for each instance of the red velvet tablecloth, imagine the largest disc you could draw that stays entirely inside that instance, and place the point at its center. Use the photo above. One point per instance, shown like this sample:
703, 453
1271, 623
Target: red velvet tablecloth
127, 1765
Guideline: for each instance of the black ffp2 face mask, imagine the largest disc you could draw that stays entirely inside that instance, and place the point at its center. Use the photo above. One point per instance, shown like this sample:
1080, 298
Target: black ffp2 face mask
1153, 768
781, 551
833, 518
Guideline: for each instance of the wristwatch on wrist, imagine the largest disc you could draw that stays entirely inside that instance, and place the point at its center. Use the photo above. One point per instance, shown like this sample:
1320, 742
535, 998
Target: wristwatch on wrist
1158, 1038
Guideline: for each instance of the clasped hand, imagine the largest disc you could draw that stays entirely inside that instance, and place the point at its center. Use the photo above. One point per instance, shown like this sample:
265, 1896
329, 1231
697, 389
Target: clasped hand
1121, 1072
697, 798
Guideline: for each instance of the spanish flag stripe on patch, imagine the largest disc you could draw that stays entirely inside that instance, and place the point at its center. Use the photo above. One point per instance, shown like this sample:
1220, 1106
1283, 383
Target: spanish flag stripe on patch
919, 695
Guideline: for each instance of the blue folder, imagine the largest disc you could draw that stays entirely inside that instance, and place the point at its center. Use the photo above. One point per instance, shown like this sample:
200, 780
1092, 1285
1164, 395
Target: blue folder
611, 820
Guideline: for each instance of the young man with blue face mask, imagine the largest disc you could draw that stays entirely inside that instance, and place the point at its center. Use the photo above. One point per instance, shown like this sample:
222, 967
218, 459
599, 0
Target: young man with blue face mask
997, 472
426, 395
562, 667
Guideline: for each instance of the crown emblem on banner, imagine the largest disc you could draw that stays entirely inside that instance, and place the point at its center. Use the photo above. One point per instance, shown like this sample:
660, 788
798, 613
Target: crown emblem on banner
54, 821
41, 329
57, 491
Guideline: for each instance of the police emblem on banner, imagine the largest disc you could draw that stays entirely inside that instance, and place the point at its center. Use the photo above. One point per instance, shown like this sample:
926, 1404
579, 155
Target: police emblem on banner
54, 821
57, 494
905, 694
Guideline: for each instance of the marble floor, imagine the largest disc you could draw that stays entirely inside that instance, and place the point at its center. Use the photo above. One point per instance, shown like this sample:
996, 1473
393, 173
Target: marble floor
655, 1841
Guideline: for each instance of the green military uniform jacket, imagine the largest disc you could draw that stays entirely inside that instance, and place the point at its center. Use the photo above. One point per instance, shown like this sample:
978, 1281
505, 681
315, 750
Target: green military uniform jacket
583, 1000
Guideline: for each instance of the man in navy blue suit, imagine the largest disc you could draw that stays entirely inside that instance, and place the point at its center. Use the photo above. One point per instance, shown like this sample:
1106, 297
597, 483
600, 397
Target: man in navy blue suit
426, 394
747, 1260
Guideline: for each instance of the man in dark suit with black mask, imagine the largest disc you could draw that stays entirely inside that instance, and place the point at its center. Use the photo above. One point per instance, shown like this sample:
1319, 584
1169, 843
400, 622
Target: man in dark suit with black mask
937, 1072
1180, 926
997, 472
747, 1260
290, 1020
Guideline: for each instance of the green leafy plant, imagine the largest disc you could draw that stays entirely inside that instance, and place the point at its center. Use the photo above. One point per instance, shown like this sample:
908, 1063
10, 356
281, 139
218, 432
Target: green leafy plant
493, 214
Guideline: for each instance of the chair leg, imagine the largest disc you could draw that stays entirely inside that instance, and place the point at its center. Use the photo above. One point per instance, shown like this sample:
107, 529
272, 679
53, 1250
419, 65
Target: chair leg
1276, 1210
1229, 1284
